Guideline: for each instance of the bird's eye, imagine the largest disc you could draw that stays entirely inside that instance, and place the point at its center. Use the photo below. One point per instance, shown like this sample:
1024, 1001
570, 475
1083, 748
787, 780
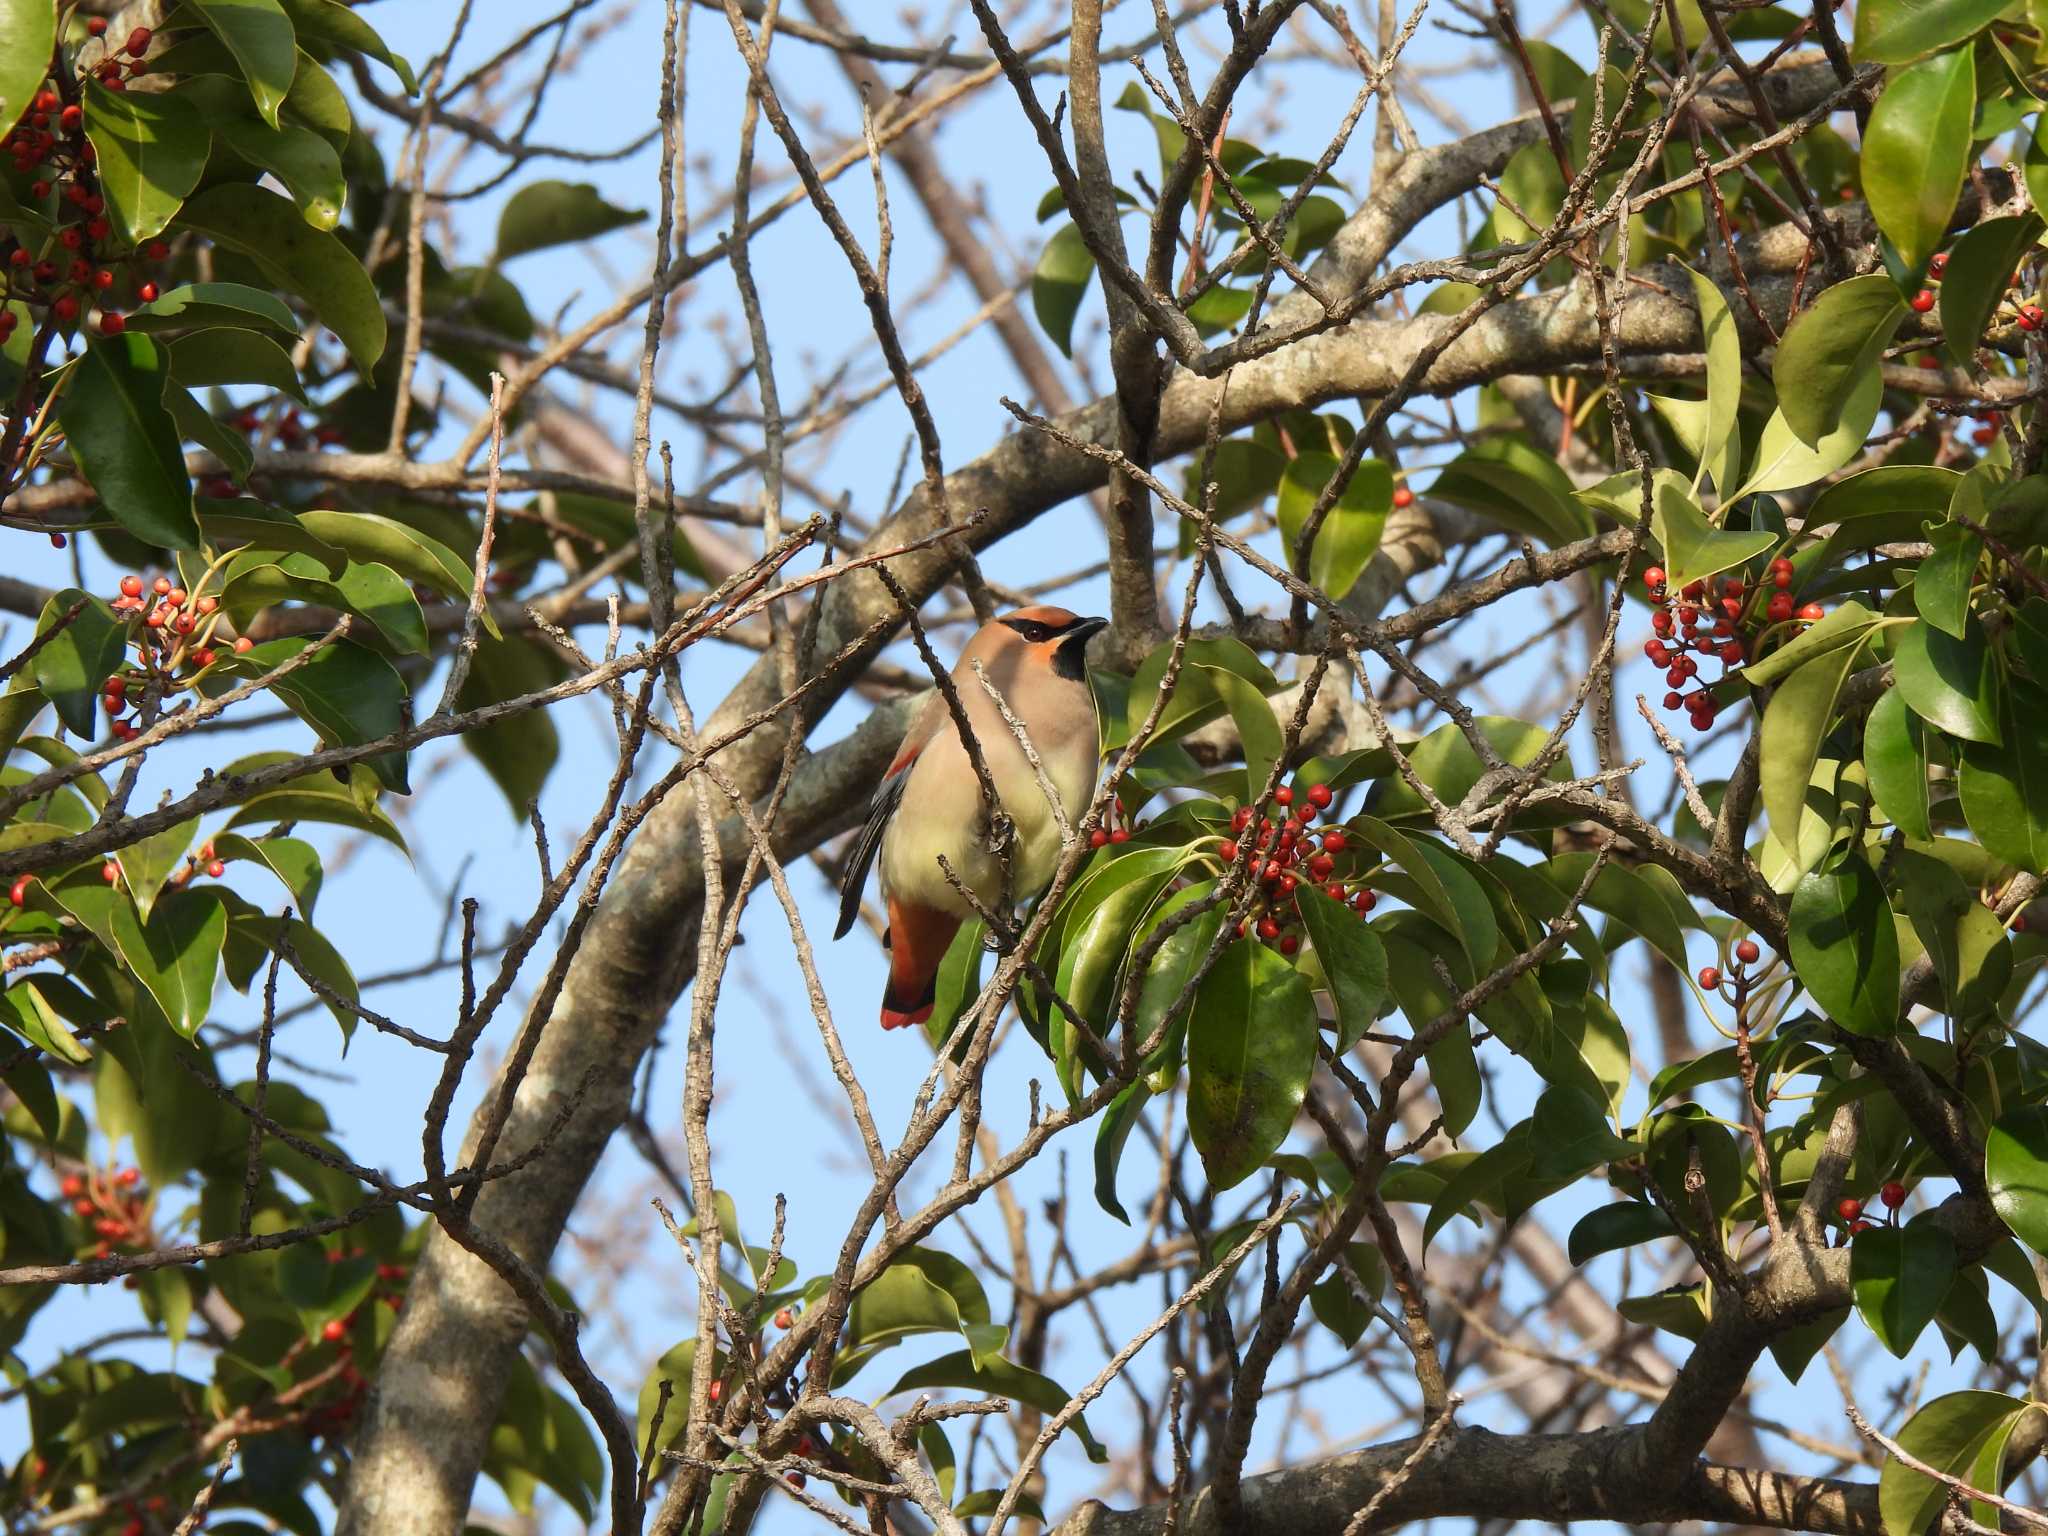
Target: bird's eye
1033, 631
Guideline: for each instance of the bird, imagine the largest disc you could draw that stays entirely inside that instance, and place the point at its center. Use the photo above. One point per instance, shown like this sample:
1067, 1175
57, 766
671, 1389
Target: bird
930, 802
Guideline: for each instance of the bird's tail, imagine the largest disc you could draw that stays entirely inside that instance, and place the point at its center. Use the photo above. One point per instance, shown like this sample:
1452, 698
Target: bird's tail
918, 940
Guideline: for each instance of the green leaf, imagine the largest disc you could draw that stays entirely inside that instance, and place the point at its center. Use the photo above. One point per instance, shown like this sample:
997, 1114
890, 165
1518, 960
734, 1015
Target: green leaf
1447, 762
1518, 487
346, 693
1951, 683
146, 865
192, 306
959, 981
309, 262
1721, 440
369, 536
1058, 284
520, 750
24, 1010
1974, 280
1899, 31
329, 22
1783, 462
2016, 1173
1112, 1130
1621, 1225
1175, 965
1895, 758
1195, 701
295, 862
151, 149
302, 160
1962, 1434
1352, 958
1845, 625
1829, 348
318, 798
73, 667
1350, 534
260, 36
925, 1291
1694, 548
1941, 588
1798, 718
1258, 729
224, 354
1964, 940
2004, 788
1845, 948
1899, 1276
125, 442
176, 953
1000, 1378
30, 30
1251, 1052
557, 213
1916, 151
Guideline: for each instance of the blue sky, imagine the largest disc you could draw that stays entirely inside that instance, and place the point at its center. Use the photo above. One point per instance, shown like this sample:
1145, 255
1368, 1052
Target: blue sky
778, 1126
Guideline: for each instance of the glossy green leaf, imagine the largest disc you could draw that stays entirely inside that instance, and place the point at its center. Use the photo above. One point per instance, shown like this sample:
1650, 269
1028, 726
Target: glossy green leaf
925, 1291
331, 22
1951, 683
260, 36
176, 953
303, 162
2016, 1173
193, 306
371, 536
1829, 348
1974, 280
1173, 968
1895, 758
74, 664
1801, 710
1962, 1434
1846, 625
1941, 589
223, 354
1000, 1378
1194, 701
316, 797
25, 1010
1721, 439
1251, 1052
1340, 1309
1899, 1276
151, 148
1258, 729
303, 260
147, 864
1694, 548
1350, 534
1964, 939
124, 440
1447, 762
295, 862
546, 213
1783, 462
2004, 788
1112, 1129
1916, 151
1058, 284
1352, 958
1899, 31
1844, 947
1621, 1225
348, 694
29, 28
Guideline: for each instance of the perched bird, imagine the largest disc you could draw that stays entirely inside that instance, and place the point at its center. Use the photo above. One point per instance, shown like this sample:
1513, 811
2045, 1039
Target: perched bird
930, 802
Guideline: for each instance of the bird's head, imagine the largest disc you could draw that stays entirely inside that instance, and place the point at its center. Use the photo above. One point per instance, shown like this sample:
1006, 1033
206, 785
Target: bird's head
1061, 636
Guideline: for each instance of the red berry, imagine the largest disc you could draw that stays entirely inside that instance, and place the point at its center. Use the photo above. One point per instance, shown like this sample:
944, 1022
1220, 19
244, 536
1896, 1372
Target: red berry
1228, 851
1096, 839
72, 1187
794, 1479
99, 229
156, 250
130, 1177
1674, 700
1334, 841
1653, 578
1938, 264
65, 309
1319, 796
1747, 952
2030, 317
103, 280
1779, 609
84, 1207
334, 1330
1985, 435
138, 42
1922, 301
1861, 1226
1893, 1194
1849, 1208
96, 26
243, 644
1120, 835
110, 872
1732, 654
1322, 866
39, 190
1268, 929
1283, 796
70, 117
1403, 497
112, 323
18, 893
147, 293
1289, 945
717, 1390
1334, 891
216, 869
1365, 901
1812, 613
1710, 977
783, 1319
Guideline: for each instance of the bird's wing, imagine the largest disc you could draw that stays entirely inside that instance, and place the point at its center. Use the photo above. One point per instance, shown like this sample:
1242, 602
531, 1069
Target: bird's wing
888, 795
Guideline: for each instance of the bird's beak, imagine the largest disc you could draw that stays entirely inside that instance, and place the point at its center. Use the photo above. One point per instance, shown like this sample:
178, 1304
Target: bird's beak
1087, 627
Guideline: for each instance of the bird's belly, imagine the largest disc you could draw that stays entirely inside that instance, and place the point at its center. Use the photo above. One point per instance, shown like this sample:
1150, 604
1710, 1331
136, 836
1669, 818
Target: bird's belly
928, 825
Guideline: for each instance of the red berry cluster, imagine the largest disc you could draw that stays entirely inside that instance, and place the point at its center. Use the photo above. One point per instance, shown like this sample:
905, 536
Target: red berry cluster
1850, 1209
113, 1206
291, 430
1728, 622
2029, 317
172, 631
1747, 952
49, 147
1284, 854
